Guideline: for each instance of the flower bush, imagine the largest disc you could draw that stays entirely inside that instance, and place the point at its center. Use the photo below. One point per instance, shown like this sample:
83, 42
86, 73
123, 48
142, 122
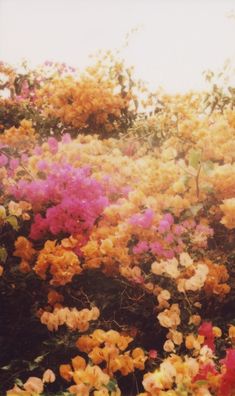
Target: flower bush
116, 238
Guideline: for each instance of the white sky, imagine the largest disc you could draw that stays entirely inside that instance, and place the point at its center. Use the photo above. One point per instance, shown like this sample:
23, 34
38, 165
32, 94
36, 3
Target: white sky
177, 39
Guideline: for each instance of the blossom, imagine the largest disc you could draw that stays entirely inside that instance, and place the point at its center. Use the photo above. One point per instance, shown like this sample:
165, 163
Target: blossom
205, 370
72, 318
24, 249
48, 376
142, 220
169, 346
228, 209
170, 318
185, 259
206, 330
227, 384
141, 247
231, 333
34, 384
62, 263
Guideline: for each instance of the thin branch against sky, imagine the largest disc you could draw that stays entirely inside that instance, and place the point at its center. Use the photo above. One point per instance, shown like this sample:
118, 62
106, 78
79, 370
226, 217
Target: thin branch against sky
176, 40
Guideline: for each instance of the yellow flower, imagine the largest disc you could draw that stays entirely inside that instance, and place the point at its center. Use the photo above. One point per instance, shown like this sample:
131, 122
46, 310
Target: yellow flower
106, 246
170, 318
169, 346
14, 208
195, 319
217, 331
193, 342
228, 209
139, 358
231, 333
175, 336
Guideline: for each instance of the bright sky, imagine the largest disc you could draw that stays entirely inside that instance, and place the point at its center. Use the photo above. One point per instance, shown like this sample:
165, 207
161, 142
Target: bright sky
176, 41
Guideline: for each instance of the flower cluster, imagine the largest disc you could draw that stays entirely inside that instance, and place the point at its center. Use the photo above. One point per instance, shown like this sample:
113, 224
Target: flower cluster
140, 226
34, 386
61, 263
87, 378
108, 348
22, 138
75, 200
72, 318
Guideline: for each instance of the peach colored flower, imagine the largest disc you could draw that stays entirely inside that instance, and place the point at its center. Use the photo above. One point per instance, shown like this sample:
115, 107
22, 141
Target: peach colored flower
48, 376
34, 385
170, 318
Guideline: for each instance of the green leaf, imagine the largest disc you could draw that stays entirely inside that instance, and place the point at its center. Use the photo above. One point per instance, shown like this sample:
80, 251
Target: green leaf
19, 382
112, 385
201, 382
32, 366
195, 158
6, 367
12, 220
39, 359
207, 187
3, 254
195, 208
208, 167
185, 179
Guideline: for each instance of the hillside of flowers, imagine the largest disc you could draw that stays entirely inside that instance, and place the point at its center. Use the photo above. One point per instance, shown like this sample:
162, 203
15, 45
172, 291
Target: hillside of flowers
117, 235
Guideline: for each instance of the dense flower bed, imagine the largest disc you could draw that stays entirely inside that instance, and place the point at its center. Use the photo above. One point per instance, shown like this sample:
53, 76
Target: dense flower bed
116, 251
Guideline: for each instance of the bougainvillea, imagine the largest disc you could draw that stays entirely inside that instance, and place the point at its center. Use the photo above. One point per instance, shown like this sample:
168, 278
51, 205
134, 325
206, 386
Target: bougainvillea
116, 253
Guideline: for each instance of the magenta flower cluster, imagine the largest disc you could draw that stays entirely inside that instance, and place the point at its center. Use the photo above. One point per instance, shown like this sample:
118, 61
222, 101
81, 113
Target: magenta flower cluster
169, 235
69, 201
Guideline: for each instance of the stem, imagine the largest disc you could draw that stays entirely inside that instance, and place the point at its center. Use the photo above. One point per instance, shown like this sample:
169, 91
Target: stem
197, 181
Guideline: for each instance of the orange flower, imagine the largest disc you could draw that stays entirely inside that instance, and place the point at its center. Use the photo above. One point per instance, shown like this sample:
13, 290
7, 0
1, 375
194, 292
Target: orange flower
24, 249
85, 343
66, 372
78, 363
62, 263
54, 297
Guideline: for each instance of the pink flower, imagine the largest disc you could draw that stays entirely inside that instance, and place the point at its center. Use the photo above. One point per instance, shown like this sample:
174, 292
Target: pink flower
3, 160
14, 163
141, 247
178, 229
143, 220
164, 226
156, 248
169, 218
66, 138
166, 223
37, 150
152, 353
169, 238
169, 254
42, 165
53, 145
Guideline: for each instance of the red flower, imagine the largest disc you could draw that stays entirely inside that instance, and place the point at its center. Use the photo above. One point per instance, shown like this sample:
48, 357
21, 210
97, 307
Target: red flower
206, 330
204, 370
227, 385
